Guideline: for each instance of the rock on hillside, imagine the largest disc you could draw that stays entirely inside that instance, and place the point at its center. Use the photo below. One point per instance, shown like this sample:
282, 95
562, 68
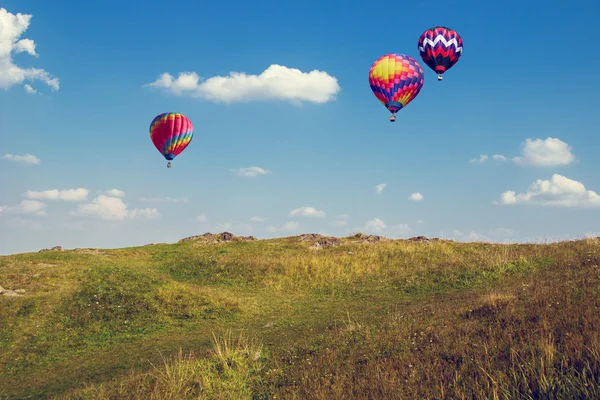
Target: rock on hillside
55, 248
210, 238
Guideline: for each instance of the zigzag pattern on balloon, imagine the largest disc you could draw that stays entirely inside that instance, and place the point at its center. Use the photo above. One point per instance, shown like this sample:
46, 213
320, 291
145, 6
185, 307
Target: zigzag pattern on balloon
433, 43
440, 48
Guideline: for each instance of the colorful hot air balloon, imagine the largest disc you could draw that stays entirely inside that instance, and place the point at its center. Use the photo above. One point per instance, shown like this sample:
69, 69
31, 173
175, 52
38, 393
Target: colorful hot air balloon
171, 133
396, 79
440, 48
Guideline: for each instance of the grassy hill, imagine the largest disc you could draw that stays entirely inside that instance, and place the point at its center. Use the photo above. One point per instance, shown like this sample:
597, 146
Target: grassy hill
303, 317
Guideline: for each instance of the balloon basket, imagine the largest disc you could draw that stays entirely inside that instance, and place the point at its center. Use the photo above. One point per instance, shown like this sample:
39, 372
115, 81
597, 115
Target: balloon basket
393, 118
168, 165
440, 78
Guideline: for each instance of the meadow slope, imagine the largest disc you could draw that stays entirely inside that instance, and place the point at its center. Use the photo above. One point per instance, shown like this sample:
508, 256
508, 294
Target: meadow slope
290, 318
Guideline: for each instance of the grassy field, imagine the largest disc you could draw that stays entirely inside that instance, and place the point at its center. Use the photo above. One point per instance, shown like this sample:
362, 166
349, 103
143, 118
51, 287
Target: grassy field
279, 319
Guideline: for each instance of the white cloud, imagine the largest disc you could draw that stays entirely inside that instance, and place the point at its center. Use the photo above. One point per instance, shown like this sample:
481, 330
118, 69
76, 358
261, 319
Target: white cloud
11, 28
416, 196
482, 158
257, 219
115, 193
148, 213
165, 199
288, 226
55, 194
251, 171
558, 191
545, 153
113, 209
201, 218
29, 89
498, 235
379, 188
540, 153
25, 207
341, 220
25, 159
277, 82
376, 225
307, 212
420, 222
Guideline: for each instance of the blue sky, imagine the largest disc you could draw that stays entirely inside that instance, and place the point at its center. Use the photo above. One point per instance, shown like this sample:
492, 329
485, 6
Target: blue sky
316, 146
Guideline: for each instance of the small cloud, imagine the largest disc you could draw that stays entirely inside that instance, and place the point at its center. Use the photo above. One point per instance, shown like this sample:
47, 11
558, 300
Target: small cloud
24, 159
379, 188
482, 158
420, 222
164, 199
550, 152
115, 193
287, 227
378, 226
201, 218
499, 157
416, 196
257, 219
558, 191
307, 212
147, 213
25, 207
55, 194
341, 220
251, 171
242, 229
375, 225
275, 83
29, 89
113, 209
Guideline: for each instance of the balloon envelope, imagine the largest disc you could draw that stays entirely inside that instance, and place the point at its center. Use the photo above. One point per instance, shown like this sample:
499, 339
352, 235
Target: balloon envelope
440, 48
171, 133
396, 79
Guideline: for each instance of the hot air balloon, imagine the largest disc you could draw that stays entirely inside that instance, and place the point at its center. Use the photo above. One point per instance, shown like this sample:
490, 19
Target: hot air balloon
396, 79
440, 49
171, 133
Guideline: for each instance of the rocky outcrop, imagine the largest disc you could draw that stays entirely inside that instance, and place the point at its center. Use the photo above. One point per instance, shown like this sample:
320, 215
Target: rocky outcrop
325, 242
55, 248
217, 238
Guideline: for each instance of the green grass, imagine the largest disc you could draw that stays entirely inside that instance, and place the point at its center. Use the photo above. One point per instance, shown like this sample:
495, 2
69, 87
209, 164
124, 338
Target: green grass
274, 319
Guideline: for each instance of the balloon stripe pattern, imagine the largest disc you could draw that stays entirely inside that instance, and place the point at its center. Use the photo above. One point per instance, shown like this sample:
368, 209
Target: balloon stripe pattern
396, 79
171, 133
440, 48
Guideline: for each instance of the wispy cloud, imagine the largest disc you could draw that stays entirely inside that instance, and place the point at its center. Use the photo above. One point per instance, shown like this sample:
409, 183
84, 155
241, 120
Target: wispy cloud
79, 194
24, 159
287, 227
25, 207
164, 199
379, 188
251, 171
307, 212
113, 209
